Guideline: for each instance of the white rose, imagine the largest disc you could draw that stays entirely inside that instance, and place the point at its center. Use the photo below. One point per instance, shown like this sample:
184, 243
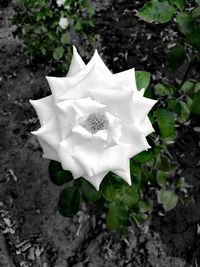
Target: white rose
94, 121
60, 2
63, 23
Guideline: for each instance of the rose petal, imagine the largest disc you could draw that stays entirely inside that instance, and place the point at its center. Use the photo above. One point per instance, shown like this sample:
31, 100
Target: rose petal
133, 136
60, 86
95, 160
49, 138
78, 129
101, 137
96, 60
128, 105
76, 65
127, 79
95, 79
125, 175
65, 150
114, 129
118, 102
44, 108
147, 126
141, 106
69, 113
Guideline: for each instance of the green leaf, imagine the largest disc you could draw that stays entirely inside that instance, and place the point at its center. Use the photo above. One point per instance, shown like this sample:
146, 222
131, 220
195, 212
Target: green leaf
180, 4
149, 92
196, 104
156, 11
176, 57
112, 187
117, 216
197, 87
142, 79
58, 53
164, 89
168, 199
143, 156
64, 39
146, 156
193, 38
186, 22
187, 86
78, 26
163, 163
89, 192
184, 112
165, 120
198, 2
196, 12
161, 178
179, 183
134, 167
69, 202
130, 196
174, 105
57, 175
189, 102
144, 206
53, 35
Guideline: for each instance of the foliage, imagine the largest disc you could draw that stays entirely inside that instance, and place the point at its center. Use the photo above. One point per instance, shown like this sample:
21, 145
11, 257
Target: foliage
184, 97
37, 24
153, 174
163, 11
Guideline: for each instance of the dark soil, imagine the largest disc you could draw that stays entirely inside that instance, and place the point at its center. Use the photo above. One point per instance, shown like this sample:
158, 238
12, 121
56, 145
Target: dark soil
33, 232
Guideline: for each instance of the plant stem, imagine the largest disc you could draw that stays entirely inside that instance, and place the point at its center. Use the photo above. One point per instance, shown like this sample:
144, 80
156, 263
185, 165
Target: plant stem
187, 71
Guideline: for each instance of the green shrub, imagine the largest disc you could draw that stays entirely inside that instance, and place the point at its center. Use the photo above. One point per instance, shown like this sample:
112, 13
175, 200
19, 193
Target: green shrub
37, 24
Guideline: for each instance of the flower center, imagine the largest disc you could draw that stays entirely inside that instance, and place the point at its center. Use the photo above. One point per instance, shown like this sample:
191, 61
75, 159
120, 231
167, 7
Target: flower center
95, 122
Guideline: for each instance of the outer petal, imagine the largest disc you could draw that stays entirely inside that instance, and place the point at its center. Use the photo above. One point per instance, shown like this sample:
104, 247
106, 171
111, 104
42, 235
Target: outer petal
114, 129
44, 108
127, 79
93, 80
76, 65
49, 138
142, 106
118, 102
59, 86
95, 160
96, 60
147, 126
96, 179
65, 150
125, 175
135, 138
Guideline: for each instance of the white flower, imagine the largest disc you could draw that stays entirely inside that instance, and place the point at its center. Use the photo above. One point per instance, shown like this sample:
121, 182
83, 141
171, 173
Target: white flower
63, 23
94, 121
60, 2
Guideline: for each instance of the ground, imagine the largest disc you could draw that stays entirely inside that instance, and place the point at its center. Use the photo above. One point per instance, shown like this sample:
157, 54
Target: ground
33, 233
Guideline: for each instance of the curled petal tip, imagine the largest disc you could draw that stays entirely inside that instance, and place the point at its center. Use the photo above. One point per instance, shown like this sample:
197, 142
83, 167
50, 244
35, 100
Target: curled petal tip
129, 182
96, 53
34, 132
